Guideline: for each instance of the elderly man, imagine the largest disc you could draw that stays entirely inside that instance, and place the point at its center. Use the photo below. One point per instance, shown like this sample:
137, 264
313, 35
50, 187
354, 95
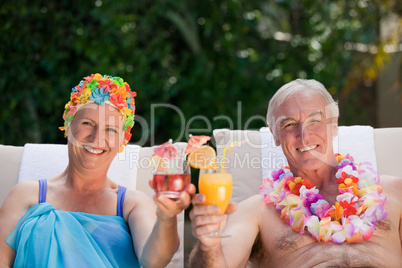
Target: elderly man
323, 210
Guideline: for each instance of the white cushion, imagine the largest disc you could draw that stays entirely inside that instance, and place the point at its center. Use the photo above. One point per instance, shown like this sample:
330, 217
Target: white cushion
41, 161
10, 159
388, 148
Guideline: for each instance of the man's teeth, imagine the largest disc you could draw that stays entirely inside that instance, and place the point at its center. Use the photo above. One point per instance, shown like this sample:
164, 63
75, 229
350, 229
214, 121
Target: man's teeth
94, 151
307, 148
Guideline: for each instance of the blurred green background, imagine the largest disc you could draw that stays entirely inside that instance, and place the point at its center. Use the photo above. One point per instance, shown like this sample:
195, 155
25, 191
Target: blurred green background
211, 59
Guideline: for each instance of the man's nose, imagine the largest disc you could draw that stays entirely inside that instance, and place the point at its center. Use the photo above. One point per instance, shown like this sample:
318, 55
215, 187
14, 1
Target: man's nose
303, 130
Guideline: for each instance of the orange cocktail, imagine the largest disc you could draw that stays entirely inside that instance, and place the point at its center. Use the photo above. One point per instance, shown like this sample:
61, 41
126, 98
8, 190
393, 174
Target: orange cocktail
217, 188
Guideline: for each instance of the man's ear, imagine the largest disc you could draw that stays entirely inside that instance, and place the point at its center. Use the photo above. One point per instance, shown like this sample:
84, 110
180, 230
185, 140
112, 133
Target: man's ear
277, 143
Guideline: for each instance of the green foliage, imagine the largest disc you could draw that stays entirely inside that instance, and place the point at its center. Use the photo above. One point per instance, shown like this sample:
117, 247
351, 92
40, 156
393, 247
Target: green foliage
213, 60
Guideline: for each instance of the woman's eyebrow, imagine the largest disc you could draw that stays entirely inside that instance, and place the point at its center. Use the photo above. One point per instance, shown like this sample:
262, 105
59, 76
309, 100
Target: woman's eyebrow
112, 125
116, 126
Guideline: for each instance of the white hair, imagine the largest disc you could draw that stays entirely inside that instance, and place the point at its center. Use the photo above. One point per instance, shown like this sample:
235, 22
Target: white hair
295, 86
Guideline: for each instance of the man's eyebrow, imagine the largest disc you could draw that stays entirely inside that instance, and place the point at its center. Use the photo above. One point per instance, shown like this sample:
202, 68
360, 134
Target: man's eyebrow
319, 112
285, 120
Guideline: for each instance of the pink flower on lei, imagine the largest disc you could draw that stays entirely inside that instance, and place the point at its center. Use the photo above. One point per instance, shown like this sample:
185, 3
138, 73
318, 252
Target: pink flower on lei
362, 229
370, 199
374, 213
322, 230
296, 220
287, 203
347, 231
320, 208
266, 187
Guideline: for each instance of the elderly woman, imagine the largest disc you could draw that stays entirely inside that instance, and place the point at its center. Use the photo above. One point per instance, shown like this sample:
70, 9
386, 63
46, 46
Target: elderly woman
81, 218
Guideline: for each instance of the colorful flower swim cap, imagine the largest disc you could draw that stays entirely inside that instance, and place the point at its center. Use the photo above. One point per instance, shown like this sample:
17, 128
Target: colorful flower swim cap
100, 89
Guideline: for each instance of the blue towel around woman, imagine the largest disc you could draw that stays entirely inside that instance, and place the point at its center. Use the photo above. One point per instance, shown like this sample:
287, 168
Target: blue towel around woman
46, 237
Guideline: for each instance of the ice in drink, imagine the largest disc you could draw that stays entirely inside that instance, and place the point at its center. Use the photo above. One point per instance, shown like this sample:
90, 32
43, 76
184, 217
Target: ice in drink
171, 185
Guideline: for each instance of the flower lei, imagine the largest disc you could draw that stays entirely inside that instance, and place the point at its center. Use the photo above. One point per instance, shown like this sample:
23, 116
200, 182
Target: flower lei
359, 204
100, 89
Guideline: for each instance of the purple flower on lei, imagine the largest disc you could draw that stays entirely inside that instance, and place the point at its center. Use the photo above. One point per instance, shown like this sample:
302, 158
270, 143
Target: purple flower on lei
375, 213
346, 162
309, 196
275, 174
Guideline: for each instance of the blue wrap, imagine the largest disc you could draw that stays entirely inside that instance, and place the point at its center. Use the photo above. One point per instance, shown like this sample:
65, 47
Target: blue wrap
46, 237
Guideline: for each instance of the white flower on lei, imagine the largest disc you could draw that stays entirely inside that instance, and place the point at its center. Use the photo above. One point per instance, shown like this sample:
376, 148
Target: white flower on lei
348, 197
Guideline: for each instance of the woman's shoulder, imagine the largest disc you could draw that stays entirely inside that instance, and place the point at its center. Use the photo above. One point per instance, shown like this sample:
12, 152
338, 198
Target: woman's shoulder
136, 199
25, 190
136, 194
21, 198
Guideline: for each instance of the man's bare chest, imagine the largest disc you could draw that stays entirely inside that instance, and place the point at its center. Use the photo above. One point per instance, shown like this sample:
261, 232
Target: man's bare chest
282, 247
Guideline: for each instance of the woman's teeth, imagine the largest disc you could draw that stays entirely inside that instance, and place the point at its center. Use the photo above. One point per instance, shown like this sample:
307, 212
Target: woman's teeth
91, 150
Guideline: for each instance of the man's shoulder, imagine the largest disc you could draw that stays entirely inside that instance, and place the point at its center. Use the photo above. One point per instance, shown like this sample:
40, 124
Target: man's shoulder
256, 205
257, 200
391, 186
388, 181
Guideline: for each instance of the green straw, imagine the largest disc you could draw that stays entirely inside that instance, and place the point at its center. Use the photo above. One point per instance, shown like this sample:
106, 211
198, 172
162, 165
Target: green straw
179, 161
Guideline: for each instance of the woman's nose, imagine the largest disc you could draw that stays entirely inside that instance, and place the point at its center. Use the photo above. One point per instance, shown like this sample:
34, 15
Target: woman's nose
94, 135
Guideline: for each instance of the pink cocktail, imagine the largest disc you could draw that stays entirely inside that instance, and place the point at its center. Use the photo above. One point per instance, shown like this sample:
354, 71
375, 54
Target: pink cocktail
171, 185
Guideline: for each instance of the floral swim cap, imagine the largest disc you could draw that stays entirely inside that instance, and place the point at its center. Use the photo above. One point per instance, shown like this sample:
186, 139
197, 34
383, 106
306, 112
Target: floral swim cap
100, 89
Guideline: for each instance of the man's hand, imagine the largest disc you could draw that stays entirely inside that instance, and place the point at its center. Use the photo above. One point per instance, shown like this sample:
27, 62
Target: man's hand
205, 219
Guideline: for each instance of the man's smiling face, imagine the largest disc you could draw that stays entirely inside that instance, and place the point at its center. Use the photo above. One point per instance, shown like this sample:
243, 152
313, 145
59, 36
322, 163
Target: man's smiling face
304, 130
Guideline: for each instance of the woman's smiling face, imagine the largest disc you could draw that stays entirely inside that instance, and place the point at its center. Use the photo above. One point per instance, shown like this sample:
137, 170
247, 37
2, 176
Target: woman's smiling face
304, 129
95, 135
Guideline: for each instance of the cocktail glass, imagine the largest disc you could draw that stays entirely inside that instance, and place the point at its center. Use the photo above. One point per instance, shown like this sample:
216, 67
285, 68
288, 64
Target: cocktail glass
217, 188
173, 179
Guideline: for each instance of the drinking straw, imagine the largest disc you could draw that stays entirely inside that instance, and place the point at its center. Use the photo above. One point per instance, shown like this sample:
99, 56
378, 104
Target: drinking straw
179, 162
229, 147
227, 150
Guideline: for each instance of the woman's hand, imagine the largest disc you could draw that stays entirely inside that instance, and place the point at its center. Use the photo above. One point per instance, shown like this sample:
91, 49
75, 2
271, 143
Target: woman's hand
168, 208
